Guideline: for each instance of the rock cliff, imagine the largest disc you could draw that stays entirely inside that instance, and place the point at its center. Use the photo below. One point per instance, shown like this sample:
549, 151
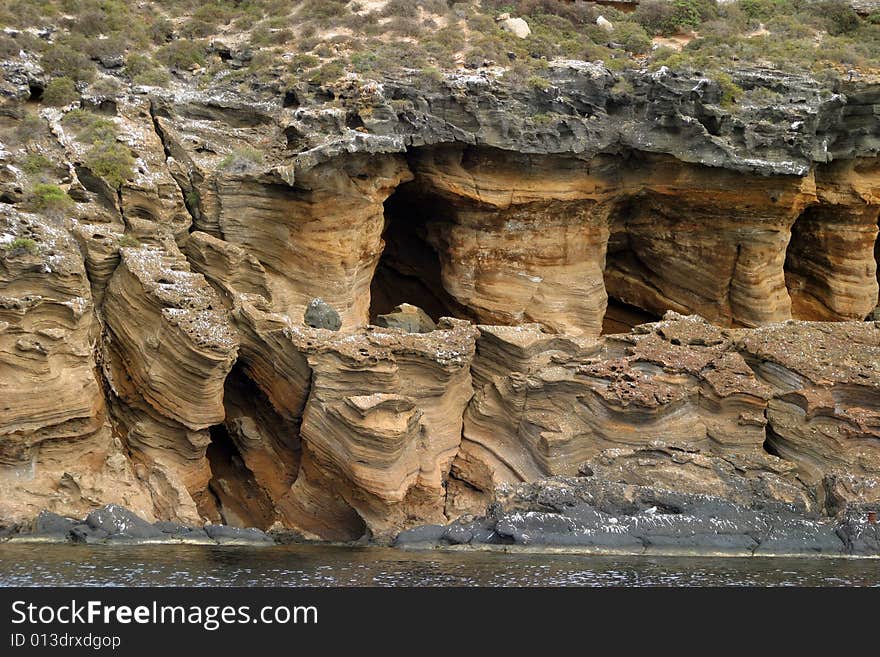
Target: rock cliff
647, 289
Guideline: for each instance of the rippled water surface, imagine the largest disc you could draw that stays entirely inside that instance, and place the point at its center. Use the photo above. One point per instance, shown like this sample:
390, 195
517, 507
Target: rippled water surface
61, 565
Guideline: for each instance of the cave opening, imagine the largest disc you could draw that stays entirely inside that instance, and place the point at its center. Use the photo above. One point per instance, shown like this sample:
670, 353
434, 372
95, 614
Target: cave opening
254, 455
801, 248
240, 501
35, 92
876, 313
409, 270
622, 317
623, 271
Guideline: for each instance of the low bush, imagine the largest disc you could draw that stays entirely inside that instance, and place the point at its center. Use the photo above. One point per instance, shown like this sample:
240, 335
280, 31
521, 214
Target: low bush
35, 163
21, 245
63, 61
671, 16
111, 161
49, 197
59, 92
240, 160
182, 54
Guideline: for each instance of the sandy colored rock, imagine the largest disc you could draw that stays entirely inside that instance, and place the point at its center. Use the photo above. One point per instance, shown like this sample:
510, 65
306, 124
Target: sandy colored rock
57, 450
379, 418
727, 392
168, 370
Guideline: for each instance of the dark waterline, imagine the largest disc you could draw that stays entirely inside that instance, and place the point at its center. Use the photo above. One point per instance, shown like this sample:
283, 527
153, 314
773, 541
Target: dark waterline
71, 565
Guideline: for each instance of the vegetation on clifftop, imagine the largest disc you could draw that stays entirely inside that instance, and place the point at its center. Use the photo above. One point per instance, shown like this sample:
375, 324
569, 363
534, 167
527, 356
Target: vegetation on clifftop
255, 42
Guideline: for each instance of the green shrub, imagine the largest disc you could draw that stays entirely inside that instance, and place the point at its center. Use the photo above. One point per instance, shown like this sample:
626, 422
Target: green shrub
105, 86
537, 82
64, 61
405, 8
113, 46
195, 28
322, 9
303, 61
49, 197
89, 127
21, 245
577, 12
403, 26
329, 72
838, 16
36, 163
240, 159
161, 30
29, 127
143, 70
153, 78
763, 10
433, 73
111, 161
632, 37
730, 91
129, 241
59, 92
670, 16
182, 54
9, 47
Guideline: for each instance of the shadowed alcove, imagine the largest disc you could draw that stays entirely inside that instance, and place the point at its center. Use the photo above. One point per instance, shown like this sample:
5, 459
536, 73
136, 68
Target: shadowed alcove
409, 270
621, 264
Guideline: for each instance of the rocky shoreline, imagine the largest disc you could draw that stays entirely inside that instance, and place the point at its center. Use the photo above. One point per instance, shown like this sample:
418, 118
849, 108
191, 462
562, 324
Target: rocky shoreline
602, 511
116, 525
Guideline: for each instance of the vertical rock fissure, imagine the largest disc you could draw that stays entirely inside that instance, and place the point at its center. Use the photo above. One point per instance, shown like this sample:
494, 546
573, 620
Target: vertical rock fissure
876, 313
190, 196
799, 280
240, 500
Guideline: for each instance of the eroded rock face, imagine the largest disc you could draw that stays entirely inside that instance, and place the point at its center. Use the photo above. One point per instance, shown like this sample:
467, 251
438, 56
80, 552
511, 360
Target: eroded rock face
57, 450
167, 370
317, 231
379, 414
163, 317
729, 392
824, 415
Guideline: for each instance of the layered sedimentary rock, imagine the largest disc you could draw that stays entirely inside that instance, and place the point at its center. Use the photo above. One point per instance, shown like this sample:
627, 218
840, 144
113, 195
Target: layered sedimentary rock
57, 450
317, 230
168, 368
165, 318
519, 239
684, 381
379, 414
824, 415
831, 267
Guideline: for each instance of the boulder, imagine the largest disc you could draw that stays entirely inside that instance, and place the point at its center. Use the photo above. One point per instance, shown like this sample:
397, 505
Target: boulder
51, 525
116, 521
409, 318
605, 24
516, 26
319, 314
226, 535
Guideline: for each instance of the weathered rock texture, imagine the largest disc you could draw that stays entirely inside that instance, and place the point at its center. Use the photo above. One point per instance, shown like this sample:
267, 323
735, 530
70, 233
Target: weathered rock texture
660, 499
167, 371
57, 450
730, 392
153, 342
